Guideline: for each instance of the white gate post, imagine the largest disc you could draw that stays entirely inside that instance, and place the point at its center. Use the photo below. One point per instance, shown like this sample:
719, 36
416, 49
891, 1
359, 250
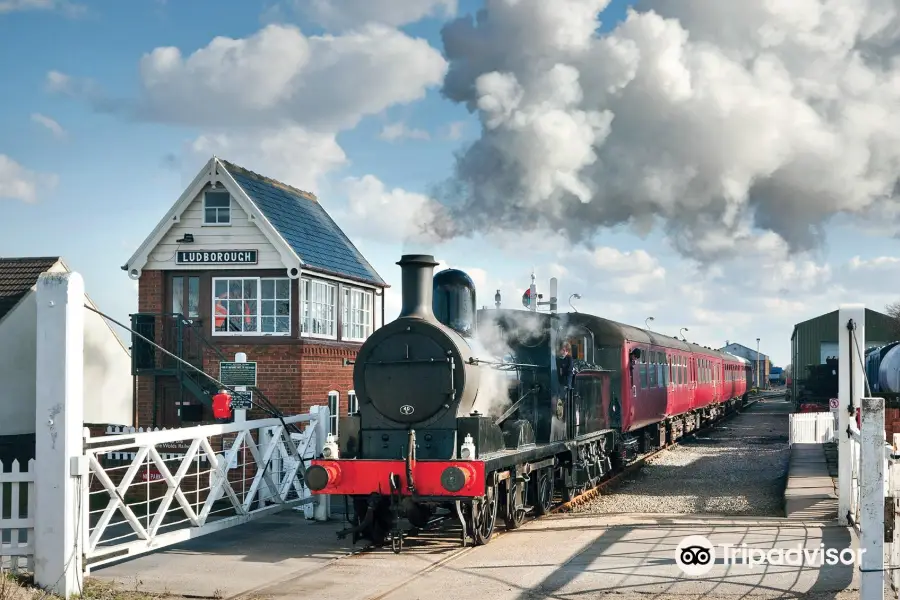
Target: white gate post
240, 414
323, 421
848, 366
59, 411
871, 492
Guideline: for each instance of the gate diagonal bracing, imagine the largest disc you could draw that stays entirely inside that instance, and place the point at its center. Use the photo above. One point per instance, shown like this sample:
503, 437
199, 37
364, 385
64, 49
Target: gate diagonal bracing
151, 489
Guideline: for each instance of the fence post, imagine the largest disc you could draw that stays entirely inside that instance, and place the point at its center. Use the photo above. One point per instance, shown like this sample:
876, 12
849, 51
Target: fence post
323, 422
850, 369
871, 491
59, 411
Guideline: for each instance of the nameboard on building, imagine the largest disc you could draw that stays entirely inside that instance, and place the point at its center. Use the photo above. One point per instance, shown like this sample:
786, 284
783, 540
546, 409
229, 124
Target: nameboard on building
216, 257
238, 373
241, 400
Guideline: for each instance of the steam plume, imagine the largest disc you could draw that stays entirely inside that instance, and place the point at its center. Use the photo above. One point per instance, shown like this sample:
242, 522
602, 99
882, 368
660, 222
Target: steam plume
497, 384
711, 118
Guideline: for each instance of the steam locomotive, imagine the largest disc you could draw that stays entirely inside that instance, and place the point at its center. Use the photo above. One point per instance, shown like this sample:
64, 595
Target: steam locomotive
466, 413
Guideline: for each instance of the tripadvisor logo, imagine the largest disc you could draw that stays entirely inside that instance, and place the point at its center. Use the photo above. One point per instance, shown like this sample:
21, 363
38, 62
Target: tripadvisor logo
696, 555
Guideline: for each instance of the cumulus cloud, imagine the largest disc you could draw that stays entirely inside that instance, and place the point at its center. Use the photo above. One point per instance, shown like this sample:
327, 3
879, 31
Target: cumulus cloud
19, 183
293, 155
278, 75
712, 120
51, 125
278, 96
387, 215
344, 14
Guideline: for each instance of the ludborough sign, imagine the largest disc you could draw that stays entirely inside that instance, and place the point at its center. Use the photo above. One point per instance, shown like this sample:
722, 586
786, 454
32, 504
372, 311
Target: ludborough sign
216, 257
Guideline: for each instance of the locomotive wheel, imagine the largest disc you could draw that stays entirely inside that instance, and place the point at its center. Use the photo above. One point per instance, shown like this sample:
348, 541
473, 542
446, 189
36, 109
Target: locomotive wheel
514, 517
483, 513
543, 491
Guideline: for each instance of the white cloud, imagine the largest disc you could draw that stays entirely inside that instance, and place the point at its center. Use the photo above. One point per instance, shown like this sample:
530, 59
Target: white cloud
69, 8
278, 75
277, 99
454, 130
293, 155
387, 215
708, 120
54, 127
396, 131
342, 14
19, 183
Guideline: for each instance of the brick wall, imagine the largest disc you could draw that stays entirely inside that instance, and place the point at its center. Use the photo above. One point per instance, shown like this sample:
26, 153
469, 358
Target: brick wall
294, 375
150, 300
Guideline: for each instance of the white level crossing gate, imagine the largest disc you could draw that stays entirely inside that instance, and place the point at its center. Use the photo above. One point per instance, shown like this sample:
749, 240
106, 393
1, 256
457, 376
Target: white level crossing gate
155, 498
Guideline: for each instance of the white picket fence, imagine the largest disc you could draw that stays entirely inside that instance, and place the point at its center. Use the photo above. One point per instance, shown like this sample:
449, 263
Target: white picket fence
17, 499
811, 428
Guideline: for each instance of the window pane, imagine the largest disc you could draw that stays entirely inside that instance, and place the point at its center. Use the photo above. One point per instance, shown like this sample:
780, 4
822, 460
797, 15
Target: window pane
268, 307
283, 289
210, 216
218, 199
193, 297
268, 324
178, 295
268, 288
234, 288
282, 324
283, 307
249, 288
220, 288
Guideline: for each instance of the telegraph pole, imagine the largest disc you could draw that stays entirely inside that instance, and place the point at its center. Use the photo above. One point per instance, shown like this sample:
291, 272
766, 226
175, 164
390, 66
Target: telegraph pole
757, 364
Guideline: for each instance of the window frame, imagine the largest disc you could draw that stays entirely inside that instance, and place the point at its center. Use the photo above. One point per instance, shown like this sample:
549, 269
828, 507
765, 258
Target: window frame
218, 209
258, 332
346, 293
336, 308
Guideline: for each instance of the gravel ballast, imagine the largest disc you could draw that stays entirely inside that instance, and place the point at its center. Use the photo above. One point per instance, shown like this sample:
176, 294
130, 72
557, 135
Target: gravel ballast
739, 468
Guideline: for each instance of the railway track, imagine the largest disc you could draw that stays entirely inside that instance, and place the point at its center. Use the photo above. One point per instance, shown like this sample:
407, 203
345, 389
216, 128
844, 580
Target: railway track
613, 481
451, 551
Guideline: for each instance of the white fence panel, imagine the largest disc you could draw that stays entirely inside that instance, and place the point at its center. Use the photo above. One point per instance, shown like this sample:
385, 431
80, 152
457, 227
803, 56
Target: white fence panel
17, 499
811, 428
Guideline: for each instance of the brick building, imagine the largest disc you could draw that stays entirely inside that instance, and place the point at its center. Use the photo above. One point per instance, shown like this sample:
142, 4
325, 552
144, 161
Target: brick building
244, 263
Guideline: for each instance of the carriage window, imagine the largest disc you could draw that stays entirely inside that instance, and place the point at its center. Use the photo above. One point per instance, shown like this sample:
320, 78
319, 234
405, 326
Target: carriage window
643, 368
652, 369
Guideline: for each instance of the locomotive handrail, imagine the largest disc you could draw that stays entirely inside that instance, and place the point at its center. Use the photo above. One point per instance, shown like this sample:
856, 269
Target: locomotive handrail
513, 408
481, 361
408, 362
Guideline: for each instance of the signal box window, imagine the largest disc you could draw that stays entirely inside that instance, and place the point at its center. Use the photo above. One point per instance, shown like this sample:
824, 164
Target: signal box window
216, 208
252, 306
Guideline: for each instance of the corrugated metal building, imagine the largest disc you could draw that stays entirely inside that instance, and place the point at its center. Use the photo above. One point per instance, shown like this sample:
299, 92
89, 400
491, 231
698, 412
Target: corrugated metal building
817, 339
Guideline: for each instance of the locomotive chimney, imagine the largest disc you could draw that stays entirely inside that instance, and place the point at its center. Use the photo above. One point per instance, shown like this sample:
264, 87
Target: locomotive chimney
417, 281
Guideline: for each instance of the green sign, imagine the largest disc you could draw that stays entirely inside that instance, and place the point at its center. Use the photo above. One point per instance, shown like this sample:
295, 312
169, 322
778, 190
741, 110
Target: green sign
241, 400
235, 373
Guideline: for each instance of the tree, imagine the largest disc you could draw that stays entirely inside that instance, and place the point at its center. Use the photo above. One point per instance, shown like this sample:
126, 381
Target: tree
893, 311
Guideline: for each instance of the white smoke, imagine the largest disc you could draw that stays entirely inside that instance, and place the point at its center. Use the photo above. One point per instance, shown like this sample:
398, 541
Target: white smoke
717, 119
492, 345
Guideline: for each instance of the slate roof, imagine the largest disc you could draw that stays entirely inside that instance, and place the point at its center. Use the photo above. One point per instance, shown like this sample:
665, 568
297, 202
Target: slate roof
305, 226
18, 276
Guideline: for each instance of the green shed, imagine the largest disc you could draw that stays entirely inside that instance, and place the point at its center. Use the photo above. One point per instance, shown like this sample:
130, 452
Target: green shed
817, 339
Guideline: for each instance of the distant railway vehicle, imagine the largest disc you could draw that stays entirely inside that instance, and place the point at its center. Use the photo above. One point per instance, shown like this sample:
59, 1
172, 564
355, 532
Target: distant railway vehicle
483, 414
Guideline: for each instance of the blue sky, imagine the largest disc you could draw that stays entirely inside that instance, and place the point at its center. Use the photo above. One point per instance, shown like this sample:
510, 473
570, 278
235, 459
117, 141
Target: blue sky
104, 180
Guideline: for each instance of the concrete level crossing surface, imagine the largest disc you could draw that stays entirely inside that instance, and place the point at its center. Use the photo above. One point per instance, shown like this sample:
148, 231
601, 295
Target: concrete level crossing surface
627, 551
618, 556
